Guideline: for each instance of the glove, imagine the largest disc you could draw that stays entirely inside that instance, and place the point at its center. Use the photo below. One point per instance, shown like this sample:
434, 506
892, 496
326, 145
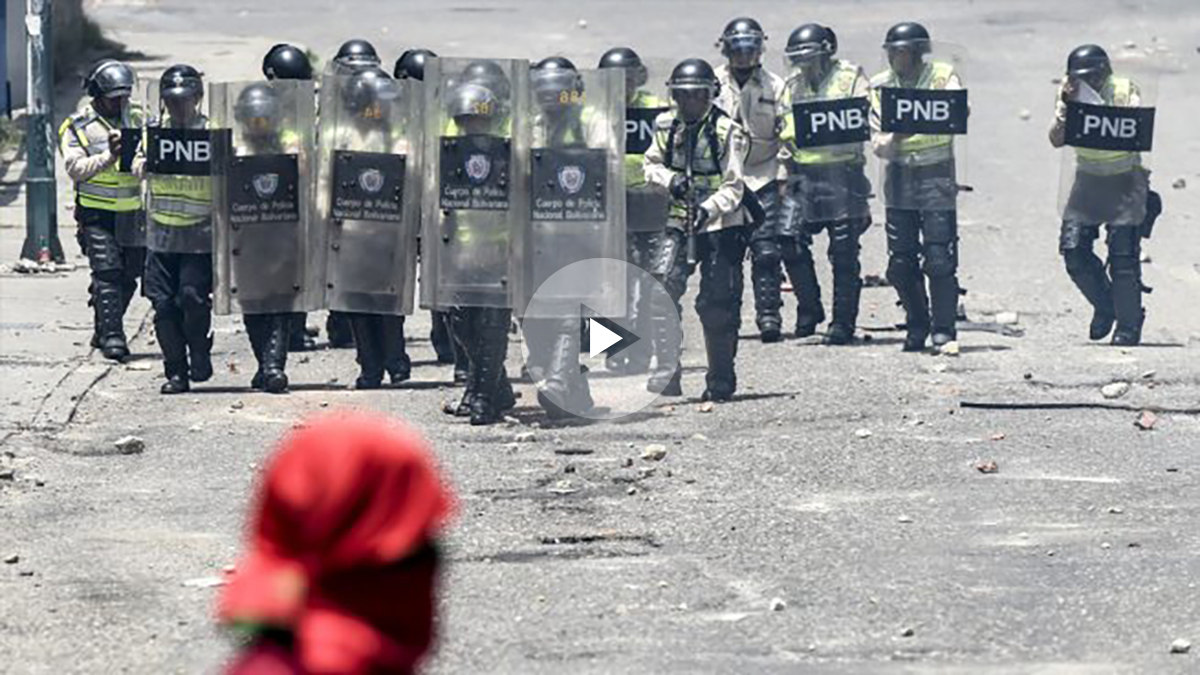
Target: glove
679, 186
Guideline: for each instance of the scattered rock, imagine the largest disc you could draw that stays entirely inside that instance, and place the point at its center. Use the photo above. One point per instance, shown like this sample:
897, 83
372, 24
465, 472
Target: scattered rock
998, 437
1025, 114
564, 487
204, 582
1149, 374
907, 632
8, 474
237, 405
627, 462
573, 451
511, 421
1180, 183
195, 428
631, 491
12, 559
324, 404
904, 519
130, 445
1116, 510
139, 366
304, 359
1181, 646
1114, 390
233, 367
583, 24
1146, 420
864, 433
1144, 257
655, 452
646, 472
706, 407
1105, 545
989, 466
778, 605
1130, 44
1008, 318
512, 447
951, 349
699, 437
525, 437
939, 368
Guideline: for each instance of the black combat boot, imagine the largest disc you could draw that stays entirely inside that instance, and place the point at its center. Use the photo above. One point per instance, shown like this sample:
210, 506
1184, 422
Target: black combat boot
256, 328
110, 328
943, 299
665, 378
299, 339
274, 353
720, 382
338, 330
197, 328
395, 354
169, 331
368, 343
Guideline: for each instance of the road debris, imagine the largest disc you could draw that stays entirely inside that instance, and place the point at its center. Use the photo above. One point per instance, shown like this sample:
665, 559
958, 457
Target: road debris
706, 407
1146, 420
525, 437
654, 452
1008, 318
989, 466
998, 436
904, 519
237, 405
864, 433
564, 487
1180, 183
1116, 510
778, 604
1181, 646
130, 445
1114, 390
204, 582
12, 559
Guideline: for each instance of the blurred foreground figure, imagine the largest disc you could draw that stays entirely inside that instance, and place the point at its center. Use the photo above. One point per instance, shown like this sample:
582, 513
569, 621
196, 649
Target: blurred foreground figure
341, 567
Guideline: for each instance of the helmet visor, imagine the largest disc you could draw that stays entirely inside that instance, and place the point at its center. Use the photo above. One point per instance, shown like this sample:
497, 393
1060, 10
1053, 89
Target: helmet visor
692, 101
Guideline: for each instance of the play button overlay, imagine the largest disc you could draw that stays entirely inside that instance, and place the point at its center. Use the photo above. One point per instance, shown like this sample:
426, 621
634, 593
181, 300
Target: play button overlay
607, 337
589, 338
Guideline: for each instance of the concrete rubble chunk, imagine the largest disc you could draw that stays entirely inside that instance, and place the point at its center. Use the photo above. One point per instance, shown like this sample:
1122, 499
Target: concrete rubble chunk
778, 604
655, 452
12, 559
1146, 420
1114, 390
1181, 646
525, 437
130, 445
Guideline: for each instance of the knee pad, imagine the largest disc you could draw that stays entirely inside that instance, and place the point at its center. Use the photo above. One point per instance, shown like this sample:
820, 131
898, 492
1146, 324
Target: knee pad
766, 252
1124, 267
903, 268
1079, 260
941, 260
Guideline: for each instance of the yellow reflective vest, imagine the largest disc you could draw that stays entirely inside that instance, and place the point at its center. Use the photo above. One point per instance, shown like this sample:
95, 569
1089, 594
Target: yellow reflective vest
111, 189
1119, 92
180, 201
930, 148
838, 84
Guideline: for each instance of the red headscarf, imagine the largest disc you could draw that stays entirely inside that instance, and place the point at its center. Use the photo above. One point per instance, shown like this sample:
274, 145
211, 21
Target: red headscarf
344, 499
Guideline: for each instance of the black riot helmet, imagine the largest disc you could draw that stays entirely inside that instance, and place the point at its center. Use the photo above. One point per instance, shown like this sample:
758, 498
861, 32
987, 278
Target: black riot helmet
556, 82
474, 108
356, 52
811, 40
181, 82
488, 74
369, 93
411, 64
693, 86
257, 109
907, 35
286, 62
742, 42
1089, 63
628, 60
110, 79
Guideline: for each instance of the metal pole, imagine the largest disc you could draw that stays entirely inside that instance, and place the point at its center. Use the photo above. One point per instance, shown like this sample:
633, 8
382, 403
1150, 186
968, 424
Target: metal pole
41, 201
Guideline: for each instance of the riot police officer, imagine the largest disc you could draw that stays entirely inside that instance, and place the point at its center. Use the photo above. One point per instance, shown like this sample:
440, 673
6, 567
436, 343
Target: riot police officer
108, 204
697, 155
1110, 188
288, 62
378, 337
411, 66
352, 55
921, 191
753, 96
645, 210
259, 119
179, 238
830, 187
480, 105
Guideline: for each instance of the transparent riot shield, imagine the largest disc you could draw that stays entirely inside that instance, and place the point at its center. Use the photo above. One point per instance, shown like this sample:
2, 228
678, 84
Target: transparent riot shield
828, 130
919, 100
176, 158
647, 97
265, 232
131, 225
475, 202
576, 130
1108, 131
368, 186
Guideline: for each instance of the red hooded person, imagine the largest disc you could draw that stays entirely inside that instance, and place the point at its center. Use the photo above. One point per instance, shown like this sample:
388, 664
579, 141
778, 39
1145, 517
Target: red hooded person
341, 566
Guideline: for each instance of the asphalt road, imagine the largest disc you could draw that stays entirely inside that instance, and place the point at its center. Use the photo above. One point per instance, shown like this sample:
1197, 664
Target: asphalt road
842, 482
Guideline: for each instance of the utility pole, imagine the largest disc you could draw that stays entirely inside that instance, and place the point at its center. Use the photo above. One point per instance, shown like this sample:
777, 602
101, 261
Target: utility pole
41, 201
